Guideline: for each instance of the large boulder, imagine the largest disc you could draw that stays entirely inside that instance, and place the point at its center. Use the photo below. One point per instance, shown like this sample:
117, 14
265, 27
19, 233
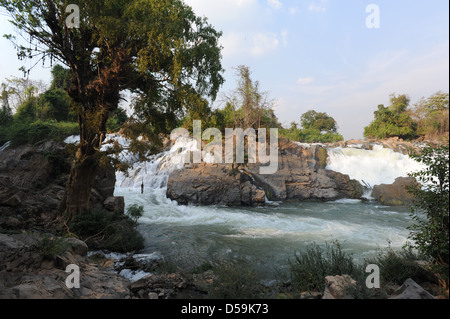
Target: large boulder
395, 194
27, 273
301, 175
32, 184
211, 184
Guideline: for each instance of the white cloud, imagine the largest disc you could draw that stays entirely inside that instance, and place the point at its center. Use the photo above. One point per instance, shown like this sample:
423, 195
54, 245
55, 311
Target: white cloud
224, 11
284, 37
276, 4
305, 81
318, 6
264, 43
252, 44
293, 10
352, 100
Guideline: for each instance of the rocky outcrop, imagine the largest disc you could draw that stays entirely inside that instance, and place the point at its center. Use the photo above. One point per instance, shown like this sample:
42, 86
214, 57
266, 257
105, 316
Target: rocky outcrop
211, 184
32, 184
395, 194
33, 266
301, 175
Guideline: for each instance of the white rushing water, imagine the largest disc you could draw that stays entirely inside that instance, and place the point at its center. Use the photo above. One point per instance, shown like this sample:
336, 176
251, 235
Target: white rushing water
373, 167
269, 233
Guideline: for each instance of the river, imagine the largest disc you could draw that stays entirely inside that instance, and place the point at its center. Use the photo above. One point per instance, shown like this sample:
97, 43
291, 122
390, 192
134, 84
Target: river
268, 236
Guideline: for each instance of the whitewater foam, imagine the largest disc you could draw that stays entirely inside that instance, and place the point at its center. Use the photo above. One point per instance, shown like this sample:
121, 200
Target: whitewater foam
373, 167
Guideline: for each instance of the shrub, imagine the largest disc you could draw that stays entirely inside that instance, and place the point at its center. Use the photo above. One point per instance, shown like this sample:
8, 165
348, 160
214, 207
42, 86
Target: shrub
26, 132
310, 267
104, 230
396, 266
50, 246
235, 280
135, 212
430, 233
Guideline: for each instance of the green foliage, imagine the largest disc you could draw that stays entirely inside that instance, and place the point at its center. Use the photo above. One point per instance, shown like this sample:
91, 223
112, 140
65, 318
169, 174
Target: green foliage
60, 78
104, 230
430, 233
25, 132
116, 120
310, 135
392, 121
309, 268
318, 121
27, 111
235, 279
246, 106
53, 105
135, 212
50, 246
432, 115
317, 127
396, 266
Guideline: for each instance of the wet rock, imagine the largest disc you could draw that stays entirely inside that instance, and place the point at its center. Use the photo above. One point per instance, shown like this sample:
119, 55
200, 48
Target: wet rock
301, 175
395, 194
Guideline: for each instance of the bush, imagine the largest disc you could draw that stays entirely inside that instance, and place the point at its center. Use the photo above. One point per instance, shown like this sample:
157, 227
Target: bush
430, 233
235, 280
108, 231
396, 266
26, 132
310, 267
135, 212
49, 246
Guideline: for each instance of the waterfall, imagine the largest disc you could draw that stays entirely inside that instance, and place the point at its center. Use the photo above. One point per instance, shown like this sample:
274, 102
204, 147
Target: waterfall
373, 167
154, 173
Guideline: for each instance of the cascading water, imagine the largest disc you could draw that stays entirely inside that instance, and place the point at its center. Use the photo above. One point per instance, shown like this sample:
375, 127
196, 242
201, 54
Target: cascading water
372, 167
269, 235
154, 173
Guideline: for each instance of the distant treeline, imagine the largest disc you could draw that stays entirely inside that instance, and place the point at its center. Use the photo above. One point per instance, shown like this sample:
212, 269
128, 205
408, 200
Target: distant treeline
428, 118
31, 113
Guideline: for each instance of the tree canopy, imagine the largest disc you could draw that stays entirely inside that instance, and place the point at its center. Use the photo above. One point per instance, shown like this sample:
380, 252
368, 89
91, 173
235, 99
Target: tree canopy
158, 50
317, 127
427, 118
392, 120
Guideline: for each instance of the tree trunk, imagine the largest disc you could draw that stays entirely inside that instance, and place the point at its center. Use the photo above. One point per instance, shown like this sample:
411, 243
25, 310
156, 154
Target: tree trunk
78, 189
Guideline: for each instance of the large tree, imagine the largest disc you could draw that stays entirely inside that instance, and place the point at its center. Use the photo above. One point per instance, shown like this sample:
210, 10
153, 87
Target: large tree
319, 121
158, 50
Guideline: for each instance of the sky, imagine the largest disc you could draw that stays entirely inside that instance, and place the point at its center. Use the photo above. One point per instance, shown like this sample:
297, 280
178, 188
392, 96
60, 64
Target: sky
342, 57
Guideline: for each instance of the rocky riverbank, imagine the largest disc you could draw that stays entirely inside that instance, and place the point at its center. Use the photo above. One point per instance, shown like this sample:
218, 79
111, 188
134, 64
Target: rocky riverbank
33, 259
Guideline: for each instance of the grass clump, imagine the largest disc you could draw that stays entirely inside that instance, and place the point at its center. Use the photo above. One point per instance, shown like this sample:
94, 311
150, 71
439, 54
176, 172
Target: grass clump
235, 279
107, 231
309, 268
49, 246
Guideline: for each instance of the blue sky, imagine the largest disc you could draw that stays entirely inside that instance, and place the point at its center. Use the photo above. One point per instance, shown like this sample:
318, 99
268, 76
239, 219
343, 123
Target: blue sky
319, 54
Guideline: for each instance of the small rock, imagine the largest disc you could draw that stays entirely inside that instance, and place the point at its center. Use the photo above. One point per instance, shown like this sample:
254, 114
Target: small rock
78, 247
411, 290
115, 204
153, 295
335, 286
